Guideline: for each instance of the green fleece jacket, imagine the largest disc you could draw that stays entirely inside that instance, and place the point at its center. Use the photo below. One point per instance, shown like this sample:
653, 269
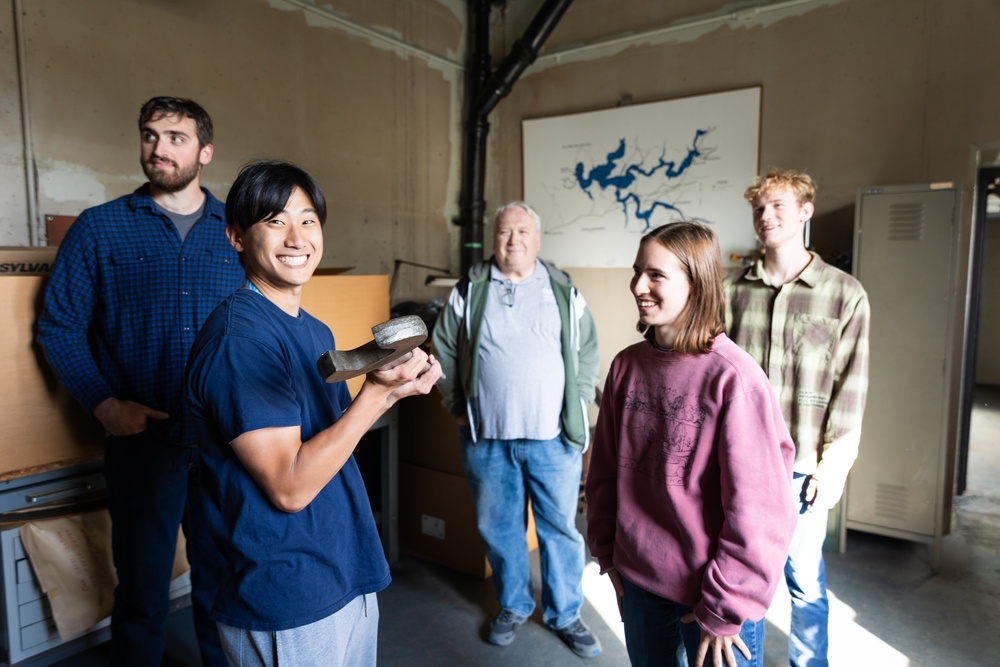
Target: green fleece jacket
456, 344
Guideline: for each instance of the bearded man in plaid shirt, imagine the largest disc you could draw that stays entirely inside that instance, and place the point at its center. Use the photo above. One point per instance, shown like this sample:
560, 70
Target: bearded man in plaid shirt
806, 323
133, 281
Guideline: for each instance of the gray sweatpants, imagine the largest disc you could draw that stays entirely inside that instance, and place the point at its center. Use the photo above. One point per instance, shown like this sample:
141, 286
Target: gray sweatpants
348, 638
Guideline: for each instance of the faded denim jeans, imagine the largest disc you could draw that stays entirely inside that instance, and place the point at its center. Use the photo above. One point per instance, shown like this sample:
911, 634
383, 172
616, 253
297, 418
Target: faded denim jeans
805, 574
502, 476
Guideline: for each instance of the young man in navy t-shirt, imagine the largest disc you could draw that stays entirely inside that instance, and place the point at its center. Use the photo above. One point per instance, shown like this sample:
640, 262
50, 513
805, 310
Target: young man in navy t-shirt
287, 502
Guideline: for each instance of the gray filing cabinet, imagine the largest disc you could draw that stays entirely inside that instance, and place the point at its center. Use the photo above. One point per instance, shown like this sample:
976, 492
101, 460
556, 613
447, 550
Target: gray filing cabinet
27, 619
28, 630
28, 635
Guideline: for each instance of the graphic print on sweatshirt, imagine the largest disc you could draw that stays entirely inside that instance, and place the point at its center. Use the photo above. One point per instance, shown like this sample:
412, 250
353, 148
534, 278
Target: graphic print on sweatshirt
662, 427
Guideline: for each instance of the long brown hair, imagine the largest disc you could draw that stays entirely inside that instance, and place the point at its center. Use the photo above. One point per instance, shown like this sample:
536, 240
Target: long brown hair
697, 249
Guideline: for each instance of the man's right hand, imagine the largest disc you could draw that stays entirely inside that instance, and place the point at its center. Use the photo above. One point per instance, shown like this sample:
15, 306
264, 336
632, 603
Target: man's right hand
616, 581
125, 417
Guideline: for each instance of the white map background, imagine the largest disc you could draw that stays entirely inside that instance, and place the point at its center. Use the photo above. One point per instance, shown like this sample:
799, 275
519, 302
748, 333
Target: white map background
601, 179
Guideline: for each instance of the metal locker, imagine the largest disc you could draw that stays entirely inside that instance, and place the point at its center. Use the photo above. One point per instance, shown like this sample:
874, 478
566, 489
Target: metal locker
906, 248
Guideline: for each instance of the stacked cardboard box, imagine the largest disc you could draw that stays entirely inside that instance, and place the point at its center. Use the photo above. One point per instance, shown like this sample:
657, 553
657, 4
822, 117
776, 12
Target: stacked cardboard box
41, 427
437, 520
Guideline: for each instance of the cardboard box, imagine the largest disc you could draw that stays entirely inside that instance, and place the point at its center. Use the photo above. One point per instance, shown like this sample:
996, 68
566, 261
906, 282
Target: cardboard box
41, 427
428, 435
437, 520
26, 260
350, 306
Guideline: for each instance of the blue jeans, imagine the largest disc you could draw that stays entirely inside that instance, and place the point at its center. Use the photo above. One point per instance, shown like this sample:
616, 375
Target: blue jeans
503, 475
805, 574
154, 488
654, 633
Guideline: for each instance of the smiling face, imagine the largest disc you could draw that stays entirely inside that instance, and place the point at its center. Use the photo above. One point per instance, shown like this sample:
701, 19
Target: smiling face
281, 252
661, 289
779, 219
170, 155
516, 242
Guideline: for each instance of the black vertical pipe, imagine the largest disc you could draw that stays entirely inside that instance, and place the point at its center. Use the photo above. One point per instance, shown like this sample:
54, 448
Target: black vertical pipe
471, 204
486, 93
481, 49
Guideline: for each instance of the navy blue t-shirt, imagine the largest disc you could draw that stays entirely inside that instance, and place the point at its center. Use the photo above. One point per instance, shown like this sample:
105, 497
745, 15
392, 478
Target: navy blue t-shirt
253, 366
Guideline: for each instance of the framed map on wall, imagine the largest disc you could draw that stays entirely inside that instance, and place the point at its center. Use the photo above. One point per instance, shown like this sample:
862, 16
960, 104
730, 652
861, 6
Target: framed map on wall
601, 179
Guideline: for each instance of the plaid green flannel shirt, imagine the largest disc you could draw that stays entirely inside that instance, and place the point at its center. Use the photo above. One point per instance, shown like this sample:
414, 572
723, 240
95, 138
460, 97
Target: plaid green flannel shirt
810, 335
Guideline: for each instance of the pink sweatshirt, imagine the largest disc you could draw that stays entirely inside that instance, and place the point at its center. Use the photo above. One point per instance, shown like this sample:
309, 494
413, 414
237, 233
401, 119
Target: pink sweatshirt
688, 493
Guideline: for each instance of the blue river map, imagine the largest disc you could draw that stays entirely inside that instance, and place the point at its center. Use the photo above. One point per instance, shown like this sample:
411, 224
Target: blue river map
619, 177
601, 179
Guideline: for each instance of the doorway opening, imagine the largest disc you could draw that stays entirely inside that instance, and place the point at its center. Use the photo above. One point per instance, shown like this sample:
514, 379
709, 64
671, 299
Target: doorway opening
977, 479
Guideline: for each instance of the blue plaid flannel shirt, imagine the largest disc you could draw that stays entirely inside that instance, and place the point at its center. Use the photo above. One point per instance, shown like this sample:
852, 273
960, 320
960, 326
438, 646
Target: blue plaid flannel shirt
126, 299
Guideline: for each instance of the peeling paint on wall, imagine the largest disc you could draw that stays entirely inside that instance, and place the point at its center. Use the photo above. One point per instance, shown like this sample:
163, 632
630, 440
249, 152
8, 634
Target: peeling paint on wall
737, 16
448, 161
377, 37
62, 182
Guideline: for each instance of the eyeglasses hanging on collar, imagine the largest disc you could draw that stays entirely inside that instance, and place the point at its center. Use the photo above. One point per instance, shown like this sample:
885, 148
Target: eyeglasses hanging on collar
507, 287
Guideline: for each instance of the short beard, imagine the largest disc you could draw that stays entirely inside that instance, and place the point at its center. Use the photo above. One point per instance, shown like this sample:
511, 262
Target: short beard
171, 182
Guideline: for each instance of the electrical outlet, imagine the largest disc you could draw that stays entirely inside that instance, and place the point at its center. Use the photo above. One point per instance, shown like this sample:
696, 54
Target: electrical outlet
432, 525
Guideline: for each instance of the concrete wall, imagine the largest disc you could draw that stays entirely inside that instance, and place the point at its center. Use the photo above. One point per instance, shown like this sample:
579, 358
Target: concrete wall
13, 199
856, 92
364, 95
368, 95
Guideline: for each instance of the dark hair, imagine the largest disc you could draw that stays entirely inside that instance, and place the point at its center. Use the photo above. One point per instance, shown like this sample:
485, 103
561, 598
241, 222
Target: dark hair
262, 189
170, 106
697, 249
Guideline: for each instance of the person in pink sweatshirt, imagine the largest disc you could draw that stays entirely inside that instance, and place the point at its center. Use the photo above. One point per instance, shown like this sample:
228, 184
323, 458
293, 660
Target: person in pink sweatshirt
687, 494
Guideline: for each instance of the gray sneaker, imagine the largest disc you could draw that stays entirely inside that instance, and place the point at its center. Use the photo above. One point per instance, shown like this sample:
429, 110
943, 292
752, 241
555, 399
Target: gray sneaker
503, 627
580, 639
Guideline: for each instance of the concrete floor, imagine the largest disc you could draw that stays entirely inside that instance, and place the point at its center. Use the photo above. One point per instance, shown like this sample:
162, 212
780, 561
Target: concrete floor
888, 607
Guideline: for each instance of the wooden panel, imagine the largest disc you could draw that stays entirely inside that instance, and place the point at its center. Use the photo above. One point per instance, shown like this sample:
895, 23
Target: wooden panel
56, 227
350, 306
40, 425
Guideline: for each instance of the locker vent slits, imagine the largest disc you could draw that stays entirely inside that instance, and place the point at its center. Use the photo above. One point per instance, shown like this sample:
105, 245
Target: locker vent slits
906, 222
891, 502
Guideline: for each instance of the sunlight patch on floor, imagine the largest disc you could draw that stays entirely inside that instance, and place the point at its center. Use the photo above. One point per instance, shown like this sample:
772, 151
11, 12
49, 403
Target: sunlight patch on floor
850, 643
601, 595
